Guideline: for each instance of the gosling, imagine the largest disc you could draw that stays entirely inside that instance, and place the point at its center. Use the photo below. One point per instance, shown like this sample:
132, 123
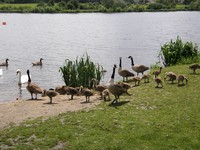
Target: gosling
172, 77
158, 82
181, 78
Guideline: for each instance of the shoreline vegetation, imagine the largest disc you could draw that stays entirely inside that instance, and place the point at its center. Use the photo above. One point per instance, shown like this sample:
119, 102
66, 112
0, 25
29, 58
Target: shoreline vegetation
103, 6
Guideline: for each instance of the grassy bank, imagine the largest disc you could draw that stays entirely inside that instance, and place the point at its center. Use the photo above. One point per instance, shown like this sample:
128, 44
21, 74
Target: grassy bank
152, 118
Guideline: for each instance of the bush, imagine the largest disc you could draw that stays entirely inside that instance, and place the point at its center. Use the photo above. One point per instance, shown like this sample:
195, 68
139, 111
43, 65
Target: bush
80, 72
175, 52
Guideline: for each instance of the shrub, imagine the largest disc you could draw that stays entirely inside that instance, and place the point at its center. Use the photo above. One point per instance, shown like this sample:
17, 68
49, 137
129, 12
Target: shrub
80, 72
175, 52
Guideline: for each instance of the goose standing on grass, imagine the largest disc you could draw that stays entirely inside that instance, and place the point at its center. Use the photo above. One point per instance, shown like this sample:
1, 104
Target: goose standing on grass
39, 63
1, 72
171, 75
194, 67
158, 82
145, 77
138, 68
22, 78
157, 72
33, 88
114, 88
4, 63
123, 72
50, 93
181, 78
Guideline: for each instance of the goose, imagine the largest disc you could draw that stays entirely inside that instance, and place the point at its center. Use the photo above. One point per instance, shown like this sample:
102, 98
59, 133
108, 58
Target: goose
123, 72
1, 72
181, 78
50, 93
4, 63
194, 67
39, 63
138, 68
71, 91
157, 72
86, 92
136, 80
22, 78
114, 88
61, 90
98, 88
33, 88
125, 85
158, 82
171, 75
105, 94
145, 77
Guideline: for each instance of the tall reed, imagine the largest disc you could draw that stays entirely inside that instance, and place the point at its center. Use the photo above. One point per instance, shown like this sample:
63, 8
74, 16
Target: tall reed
175, 52
80, 72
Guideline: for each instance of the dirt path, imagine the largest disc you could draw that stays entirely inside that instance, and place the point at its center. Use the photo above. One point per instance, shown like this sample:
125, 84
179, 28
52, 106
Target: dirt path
20, 110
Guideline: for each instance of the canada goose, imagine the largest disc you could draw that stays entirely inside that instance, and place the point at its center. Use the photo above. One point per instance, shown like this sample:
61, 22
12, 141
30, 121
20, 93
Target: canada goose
98, 88
157, 72
136, 80
181, 78
39, 63
138, 68
158, 82
105, 94
114, 88
4, 63
194, 67
50, 93
87, 93
1, 72
61, 90
33, 88
123, 72
145, 77
22, 78
71, 91
171, 75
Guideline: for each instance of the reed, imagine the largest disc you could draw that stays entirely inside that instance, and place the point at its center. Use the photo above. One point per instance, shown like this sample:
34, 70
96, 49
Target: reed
80, 72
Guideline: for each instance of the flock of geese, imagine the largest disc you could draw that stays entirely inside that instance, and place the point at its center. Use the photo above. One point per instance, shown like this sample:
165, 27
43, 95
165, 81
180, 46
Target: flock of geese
111, 87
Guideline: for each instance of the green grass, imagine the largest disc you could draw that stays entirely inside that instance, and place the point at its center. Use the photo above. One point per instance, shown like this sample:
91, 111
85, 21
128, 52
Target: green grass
152, 118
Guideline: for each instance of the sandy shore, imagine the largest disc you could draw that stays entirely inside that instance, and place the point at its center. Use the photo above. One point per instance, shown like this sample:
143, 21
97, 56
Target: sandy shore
17, 111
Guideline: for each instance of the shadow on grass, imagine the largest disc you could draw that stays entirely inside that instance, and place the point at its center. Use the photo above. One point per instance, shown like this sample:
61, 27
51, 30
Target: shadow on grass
117, 104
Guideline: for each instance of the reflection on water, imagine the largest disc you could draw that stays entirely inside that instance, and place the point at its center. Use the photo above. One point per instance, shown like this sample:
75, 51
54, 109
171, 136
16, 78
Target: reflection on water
105, 37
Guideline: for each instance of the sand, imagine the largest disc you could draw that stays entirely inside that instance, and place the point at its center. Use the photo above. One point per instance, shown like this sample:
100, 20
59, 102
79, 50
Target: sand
15, 112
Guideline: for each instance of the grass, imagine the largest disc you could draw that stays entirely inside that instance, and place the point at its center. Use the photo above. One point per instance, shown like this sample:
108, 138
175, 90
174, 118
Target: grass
152, 118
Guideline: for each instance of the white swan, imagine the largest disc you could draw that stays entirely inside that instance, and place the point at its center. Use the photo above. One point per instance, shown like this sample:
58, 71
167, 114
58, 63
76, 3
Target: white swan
1, 72
22, 78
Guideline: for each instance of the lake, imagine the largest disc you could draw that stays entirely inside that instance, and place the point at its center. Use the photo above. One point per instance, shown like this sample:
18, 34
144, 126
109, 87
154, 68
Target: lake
104, 36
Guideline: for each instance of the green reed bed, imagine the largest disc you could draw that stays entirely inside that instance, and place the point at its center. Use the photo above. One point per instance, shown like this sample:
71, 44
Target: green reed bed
152, 118
81, 71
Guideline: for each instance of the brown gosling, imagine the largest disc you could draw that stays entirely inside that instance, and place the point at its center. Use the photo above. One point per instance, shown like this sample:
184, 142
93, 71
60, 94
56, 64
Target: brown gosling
4, 63
136, 80
145, 77
87, 93
105, 94
114, 88
181, 78
125, 85
50, 93
61, 90
157, 72
194, 67
39, 63
124, 72
171, 75
33, 88
98, 88
71, 91
158, 82
138, 68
